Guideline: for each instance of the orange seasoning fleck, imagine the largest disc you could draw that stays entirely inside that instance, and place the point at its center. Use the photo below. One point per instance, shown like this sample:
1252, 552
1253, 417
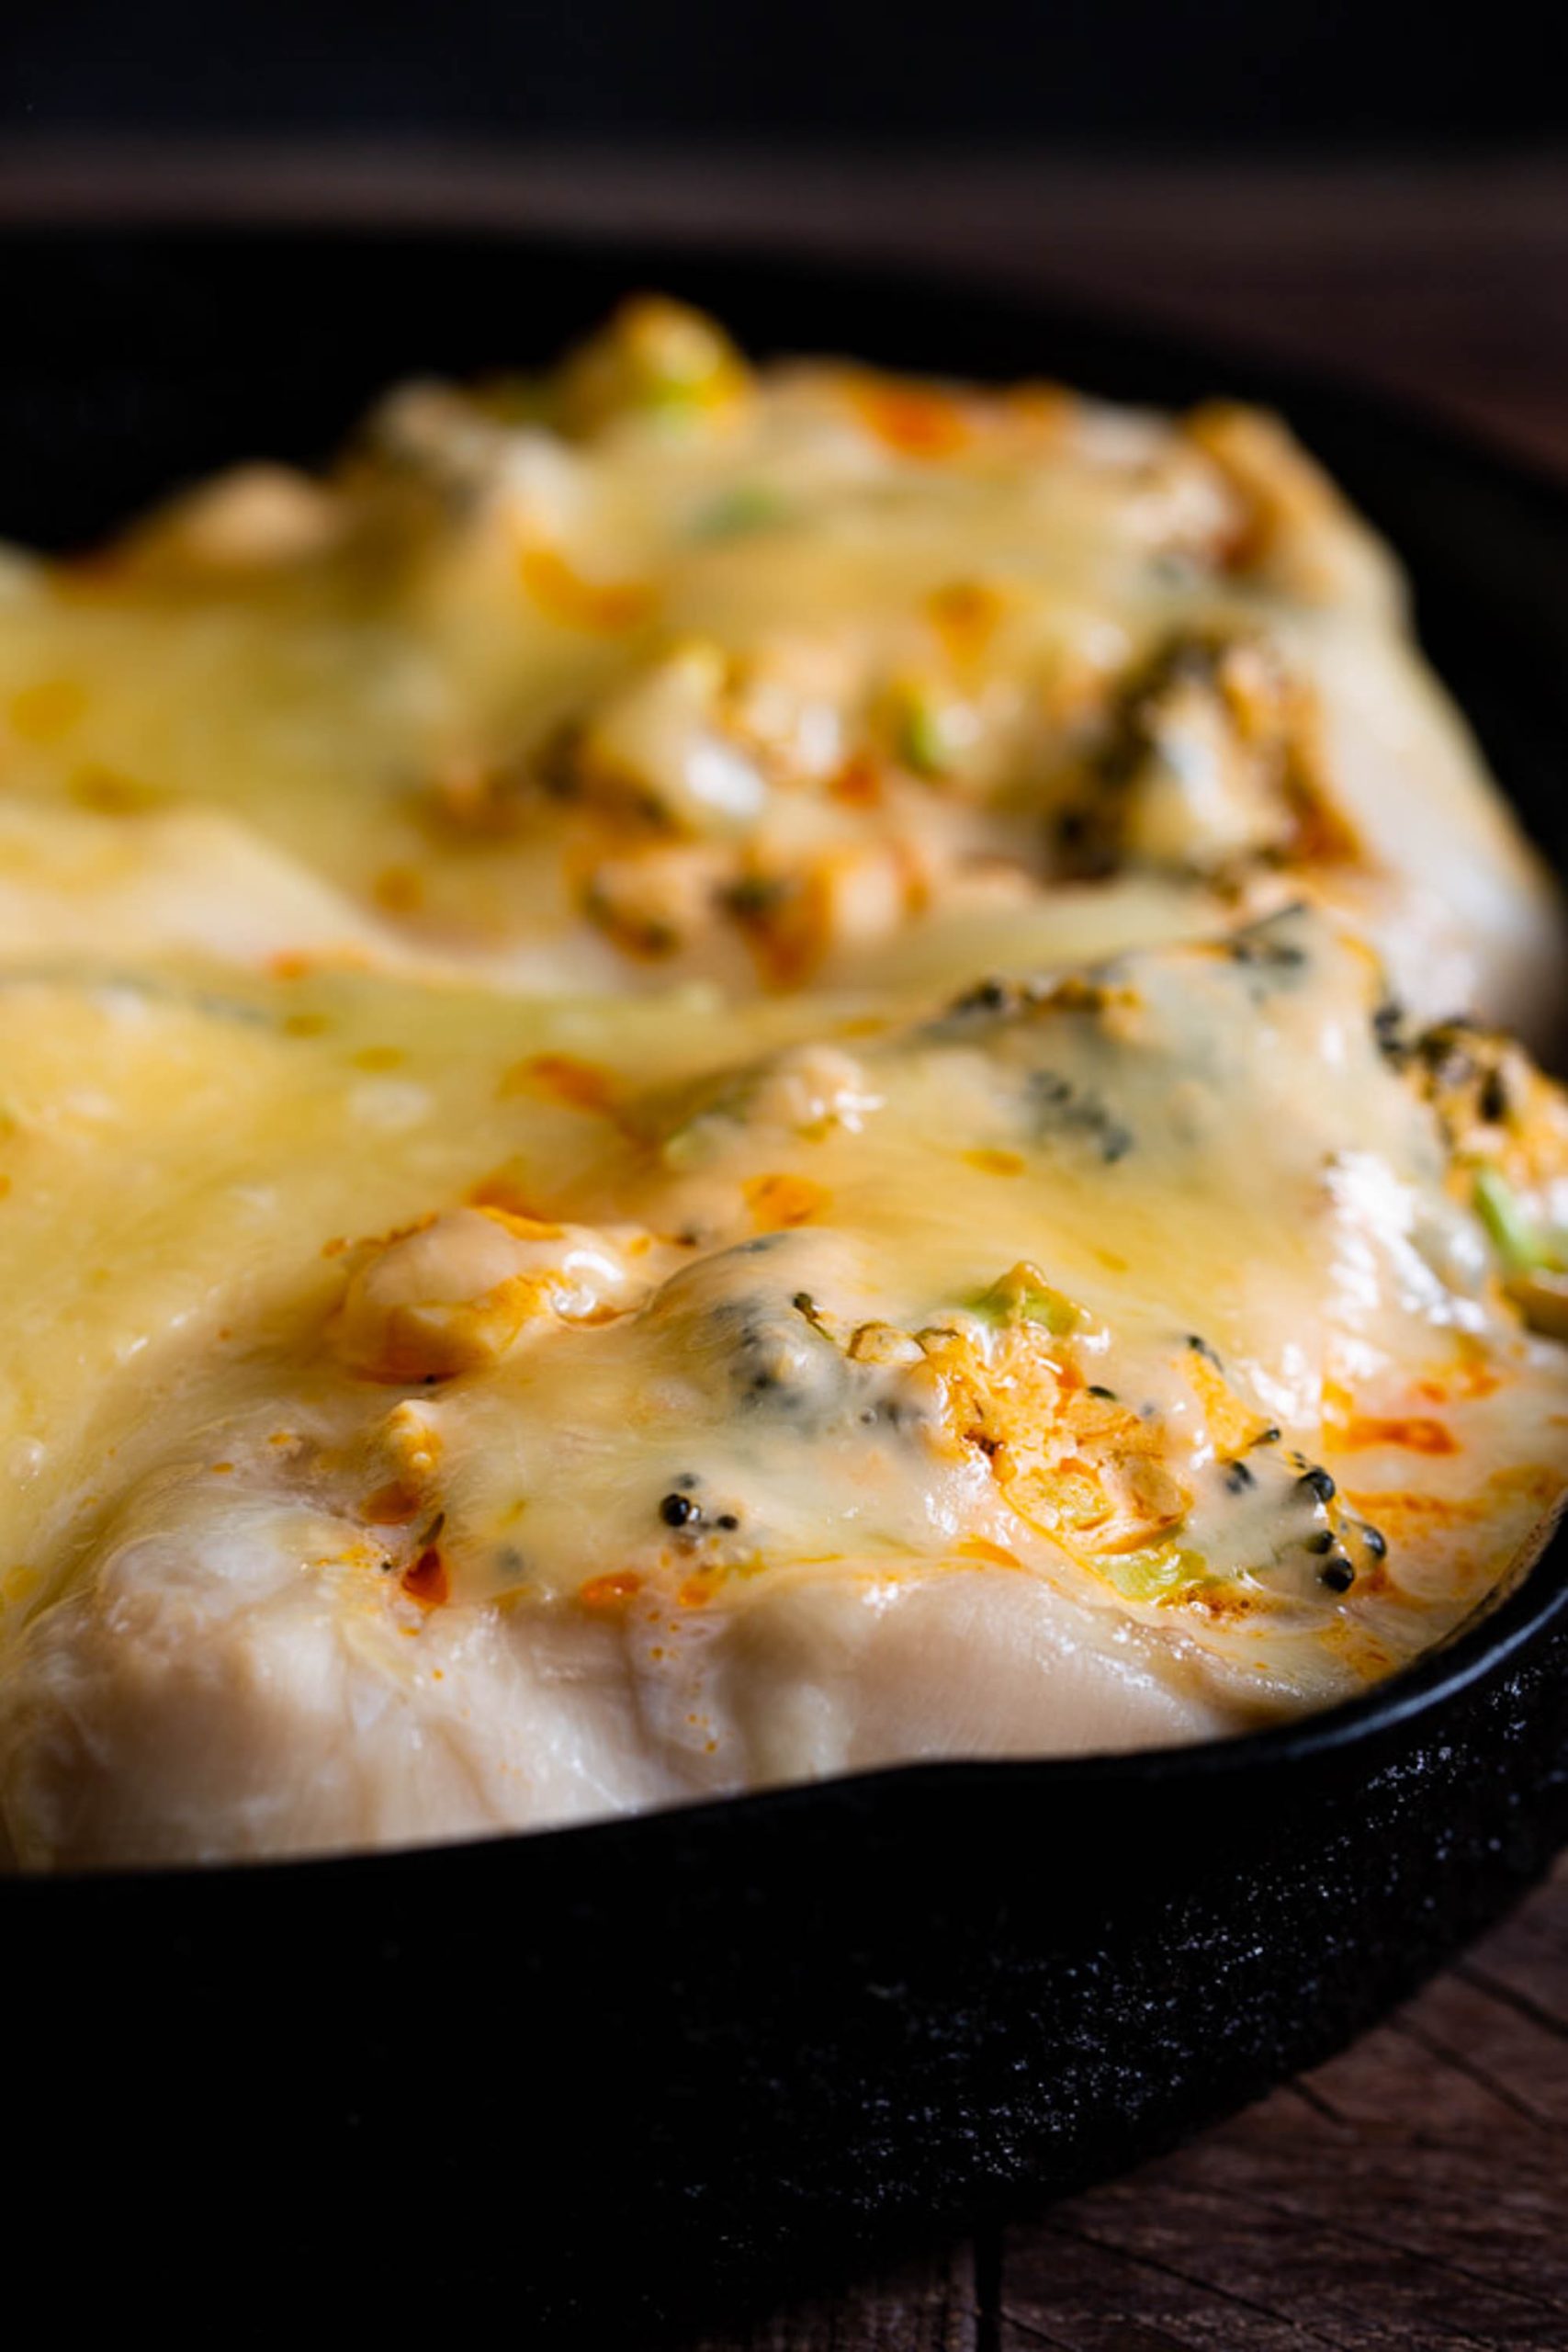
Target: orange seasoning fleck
917, 419
1464, 1379
964, 614
427, 1581
976, 1547
607, 1596
783, 1200
562, 1079
566, 596
996, 1163
858, 783
1413, 1431
502, 1189
305, 1024
377, 1057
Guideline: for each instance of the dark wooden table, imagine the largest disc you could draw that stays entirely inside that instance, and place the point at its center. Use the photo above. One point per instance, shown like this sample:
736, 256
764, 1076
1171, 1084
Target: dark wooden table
1414, 2193
1411, 2193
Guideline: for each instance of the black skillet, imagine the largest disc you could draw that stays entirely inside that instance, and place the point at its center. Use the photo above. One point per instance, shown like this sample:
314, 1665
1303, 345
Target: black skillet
584, 2083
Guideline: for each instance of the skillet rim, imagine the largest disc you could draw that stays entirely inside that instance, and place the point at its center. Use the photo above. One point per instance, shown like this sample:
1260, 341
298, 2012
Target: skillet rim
1537, 1604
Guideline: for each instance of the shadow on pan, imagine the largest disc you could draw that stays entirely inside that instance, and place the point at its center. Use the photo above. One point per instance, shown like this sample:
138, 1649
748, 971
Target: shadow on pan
608, 2081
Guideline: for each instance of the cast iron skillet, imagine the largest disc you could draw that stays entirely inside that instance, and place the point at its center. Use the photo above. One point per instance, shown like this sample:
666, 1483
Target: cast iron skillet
620, 2075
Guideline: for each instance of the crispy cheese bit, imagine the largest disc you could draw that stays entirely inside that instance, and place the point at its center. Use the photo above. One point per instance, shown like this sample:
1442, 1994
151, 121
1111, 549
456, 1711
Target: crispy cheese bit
456, 1293
652, 901
849, 898
1233, 1426
667, 748
1294, 528
1071, 1465
1214, 759
1496, 1107
1507, 1126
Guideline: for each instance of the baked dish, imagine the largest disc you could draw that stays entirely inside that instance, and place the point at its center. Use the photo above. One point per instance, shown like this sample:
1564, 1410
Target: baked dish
714, 1076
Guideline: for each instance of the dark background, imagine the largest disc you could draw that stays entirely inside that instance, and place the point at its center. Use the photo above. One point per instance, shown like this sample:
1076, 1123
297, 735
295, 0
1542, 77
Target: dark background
1253, 73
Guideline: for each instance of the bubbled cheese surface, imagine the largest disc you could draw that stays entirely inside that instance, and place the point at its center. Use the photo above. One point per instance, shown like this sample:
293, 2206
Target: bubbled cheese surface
709, 1079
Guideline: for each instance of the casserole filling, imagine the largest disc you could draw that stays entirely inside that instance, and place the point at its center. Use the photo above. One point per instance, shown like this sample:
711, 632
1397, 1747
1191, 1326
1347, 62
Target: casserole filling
664, 667
522, 1420
440, 1400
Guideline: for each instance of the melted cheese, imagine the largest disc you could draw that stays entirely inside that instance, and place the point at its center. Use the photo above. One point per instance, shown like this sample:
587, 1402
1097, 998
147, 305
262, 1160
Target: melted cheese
810, 674
437, 1399
443, 1412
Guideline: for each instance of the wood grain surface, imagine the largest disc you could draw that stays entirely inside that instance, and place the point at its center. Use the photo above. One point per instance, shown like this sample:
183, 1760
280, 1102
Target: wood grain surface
1413, 2192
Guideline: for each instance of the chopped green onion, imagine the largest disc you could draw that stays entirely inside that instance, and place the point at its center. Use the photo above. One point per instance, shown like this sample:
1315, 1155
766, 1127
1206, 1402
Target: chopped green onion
1154, 1573
748, 506
674, 396
1514, 1234
922, 737
1541, 1298
1022, 1296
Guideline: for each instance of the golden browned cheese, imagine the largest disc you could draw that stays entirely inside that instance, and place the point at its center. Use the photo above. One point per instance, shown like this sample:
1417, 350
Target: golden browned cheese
698, 1086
